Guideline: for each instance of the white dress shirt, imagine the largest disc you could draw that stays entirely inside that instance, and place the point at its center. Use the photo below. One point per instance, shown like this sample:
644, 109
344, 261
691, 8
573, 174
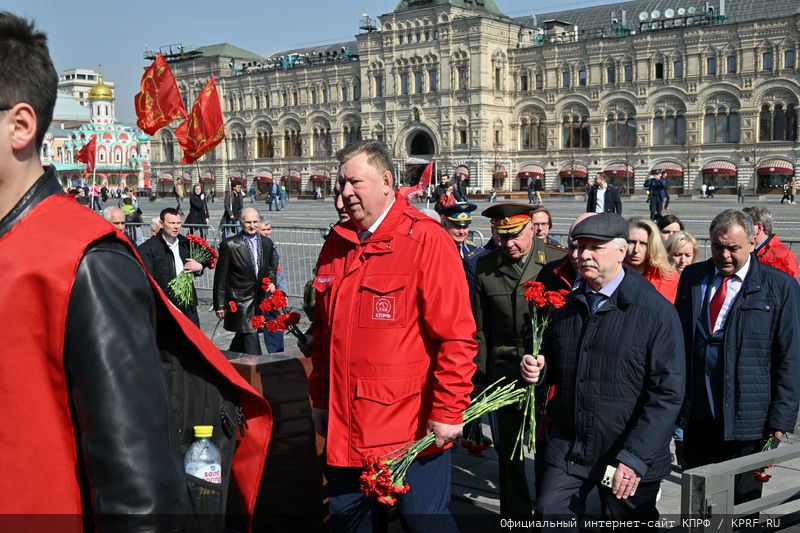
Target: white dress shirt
734, 286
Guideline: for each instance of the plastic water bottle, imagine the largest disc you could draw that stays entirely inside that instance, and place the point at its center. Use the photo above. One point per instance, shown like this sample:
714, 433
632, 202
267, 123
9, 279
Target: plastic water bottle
203, 459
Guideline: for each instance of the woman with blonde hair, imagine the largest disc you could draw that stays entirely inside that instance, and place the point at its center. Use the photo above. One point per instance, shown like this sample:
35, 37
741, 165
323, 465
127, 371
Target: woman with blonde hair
682, 250
647, 256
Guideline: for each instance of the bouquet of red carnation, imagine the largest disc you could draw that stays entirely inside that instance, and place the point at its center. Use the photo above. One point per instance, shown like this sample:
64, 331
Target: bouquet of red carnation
541, 302
182, 287
761, 474
383, 478
778, 263
277, 315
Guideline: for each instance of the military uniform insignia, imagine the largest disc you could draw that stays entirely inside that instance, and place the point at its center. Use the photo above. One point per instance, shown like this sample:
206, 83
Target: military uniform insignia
541, 257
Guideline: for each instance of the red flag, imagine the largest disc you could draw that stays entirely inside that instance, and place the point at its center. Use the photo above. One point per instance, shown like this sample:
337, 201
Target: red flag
87, 154
159, 101
204, 129
411, 192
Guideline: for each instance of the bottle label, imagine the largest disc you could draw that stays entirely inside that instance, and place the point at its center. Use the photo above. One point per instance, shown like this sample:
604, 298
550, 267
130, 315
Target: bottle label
211, 473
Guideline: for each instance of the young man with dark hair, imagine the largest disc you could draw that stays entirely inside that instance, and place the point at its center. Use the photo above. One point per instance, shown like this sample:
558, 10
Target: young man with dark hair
102, 437
166, 255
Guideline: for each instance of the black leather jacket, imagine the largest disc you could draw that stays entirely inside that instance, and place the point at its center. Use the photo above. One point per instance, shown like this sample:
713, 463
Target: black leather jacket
159, 261
131, 461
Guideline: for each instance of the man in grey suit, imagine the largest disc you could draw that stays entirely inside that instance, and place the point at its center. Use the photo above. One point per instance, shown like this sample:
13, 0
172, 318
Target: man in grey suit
244, 260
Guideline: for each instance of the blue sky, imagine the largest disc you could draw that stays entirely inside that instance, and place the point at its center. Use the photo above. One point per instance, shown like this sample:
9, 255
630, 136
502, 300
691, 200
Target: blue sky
91, 32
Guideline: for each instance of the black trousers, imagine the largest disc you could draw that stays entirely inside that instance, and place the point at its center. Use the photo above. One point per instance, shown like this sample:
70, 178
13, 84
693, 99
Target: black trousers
656, 205
563, 497
515, 495
192, 315
704, 443
246, 343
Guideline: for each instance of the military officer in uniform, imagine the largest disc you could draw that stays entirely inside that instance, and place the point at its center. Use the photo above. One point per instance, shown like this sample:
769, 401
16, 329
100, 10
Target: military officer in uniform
501, 312
455, 221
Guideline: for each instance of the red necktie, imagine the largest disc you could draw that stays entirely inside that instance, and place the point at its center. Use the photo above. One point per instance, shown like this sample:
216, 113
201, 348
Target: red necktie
715, 305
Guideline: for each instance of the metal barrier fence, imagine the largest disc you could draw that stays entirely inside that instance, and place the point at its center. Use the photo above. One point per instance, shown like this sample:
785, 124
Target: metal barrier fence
299, 248
707, 492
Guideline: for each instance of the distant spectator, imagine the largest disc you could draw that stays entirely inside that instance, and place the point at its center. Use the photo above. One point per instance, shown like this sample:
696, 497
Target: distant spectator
669, 224
198, 210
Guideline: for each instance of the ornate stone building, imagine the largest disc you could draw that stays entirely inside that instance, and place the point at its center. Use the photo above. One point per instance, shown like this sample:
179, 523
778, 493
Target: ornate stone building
123, 154
708, 92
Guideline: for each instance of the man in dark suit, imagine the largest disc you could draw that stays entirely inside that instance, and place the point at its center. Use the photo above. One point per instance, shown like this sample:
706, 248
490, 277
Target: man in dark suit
233, 206
739, 320
244, 260
166, 255
603, 198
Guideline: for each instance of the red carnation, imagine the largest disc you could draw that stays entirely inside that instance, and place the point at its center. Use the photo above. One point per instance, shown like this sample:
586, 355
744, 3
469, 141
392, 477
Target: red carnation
257, 322
555, 299
265, 305
279, 300
232, 306
292, 319
265, 283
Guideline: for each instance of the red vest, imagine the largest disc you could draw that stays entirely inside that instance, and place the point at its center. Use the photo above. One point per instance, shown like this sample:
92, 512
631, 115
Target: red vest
38, 259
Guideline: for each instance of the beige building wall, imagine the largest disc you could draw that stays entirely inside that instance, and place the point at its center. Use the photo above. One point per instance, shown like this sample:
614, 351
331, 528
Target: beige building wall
493, 87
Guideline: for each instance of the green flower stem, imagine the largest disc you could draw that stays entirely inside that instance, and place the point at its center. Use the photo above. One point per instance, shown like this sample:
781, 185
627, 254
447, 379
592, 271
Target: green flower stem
491, 399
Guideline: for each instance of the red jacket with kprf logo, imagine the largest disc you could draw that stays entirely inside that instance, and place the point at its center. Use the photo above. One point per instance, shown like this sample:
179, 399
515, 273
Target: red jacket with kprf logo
394, 337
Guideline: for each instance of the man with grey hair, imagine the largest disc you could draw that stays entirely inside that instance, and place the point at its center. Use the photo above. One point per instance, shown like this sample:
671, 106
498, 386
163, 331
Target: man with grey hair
116, 216
244, 261
616, 396
390, 361
739, 319
769, 248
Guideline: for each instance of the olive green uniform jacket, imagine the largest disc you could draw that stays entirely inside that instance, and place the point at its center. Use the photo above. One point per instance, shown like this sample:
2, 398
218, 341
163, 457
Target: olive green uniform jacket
501, 311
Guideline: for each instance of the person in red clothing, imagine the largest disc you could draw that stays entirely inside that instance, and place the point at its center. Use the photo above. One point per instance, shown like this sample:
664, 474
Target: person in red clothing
647, 256
394, 345
769, 248
101, 384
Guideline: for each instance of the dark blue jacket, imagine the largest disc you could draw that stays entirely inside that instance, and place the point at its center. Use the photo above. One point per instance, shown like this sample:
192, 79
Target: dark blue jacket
761, 347
619, 377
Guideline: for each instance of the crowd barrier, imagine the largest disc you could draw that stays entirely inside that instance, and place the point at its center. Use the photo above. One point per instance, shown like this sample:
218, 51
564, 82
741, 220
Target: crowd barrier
299, 248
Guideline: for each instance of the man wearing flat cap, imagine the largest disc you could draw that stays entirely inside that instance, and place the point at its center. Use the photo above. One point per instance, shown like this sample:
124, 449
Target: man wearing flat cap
615, 355
501, 312
456, 219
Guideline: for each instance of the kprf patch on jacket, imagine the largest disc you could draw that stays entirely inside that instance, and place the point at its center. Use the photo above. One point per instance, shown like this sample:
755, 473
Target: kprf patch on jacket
383, 307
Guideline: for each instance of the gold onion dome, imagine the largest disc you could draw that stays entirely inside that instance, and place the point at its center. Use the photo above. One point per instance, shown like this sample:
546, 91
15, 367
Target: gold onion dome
101, 91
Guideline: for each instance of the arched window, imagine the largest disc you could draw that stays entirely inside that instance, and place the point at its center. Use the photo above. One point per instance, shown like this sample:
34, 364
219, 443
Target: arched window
669, 123
620, 129
265, 145
721, 122
575, 130
292, 142
778, 120
323, 142
532, 130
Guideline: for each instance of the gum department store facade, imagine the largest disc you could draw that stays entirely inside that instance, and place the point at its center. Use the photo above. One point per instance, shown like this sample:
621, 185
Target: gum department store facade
706, 91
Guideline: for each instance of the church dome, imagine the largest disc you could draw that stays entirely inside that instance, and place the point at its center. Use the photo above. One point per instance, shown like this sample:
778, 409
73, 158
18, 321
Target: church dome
101, 91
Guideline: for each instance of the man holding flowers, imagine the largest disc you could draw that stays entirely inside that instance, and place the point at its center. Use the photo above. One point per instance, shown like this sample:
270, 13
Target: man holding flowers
393, 346
244, 261
167, 254
501, 312
615, 354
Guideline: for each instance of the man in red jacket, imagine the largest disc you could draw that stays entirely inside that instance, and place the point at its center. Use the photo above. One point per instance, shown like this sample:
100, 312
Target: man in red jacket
769, 248
100, 426
394, 344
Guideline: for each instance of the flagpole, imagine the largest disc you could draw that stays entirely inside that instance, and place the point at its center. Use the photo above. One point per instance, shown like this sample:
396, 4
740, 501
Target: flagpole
94, 175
